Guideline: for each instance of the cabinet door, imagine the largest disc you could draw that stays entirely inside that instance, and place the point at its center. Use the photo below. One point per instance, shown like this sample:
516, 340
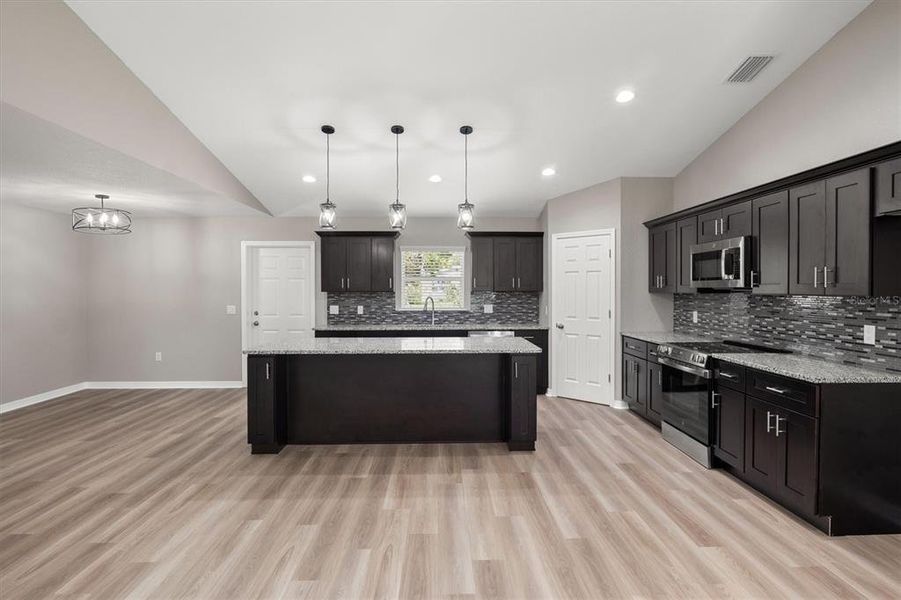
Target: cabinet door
807, 238
662, 259
539, 337
359, 264
654, 406
761, 445
504, 264
769, 244
670, 269
736, 220
796, 485
382, 264
522, 408
334, 264
686, 236
709, 226
263, 422
848, 234
630, 384
482, 263
888, 187
729, 427
529, 275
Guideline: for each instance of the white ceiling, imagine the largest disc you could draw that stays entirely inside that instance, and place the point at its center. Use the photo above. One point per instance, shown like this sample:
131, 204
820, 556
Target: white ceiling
255, 80
50, 167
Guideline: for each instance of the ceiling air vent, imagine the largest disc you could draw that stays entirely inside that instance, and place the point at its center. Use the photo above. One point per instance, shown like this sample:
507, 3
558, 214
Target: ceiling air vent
749, 69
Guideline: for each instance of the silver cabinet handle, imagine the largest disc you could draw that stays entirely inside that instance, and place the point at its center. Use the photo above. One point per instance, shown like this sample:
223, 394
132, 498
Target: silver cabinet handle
391, 283
342, 283
778, 419
769, 417
267, 370
660, 378
348, 283
722, 226
514, 283
516, 369
716, 227
776, 390
713, 402
816, 271
728, 375
753, 273
519, 282
473, 282
825, 277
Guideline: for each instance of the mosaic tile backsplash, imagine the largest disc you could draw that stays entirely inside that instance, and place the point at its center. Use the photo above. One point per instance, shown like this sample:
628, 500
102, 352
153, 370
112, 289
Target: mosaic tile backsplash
830, 328
379, 308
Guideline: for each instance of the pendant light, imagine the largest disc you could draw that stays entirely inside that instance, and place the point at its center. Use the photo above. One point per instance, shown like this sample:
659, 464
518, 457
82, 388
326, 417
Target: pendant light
397, 212
110, 221
327, 209
465, 216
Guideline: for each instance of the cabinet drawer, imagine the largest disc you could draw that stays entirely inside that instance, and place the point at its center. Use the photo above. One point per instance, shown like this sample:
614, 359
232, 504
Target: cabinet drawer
635, 347
732, 376
787, 393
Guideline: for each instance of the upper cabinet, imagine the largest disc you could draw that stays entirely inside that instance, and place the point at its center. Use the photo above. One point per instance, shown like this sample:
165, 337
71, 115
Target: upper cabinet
507, 262
686, 237
357, 261
662, 259
724, 223
769, 244
887, 184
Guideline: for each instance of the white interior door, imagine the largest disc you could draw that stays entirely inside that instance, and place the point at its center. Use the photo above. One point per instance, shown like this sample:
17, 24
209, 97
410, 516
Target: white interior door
583, 328
281, 307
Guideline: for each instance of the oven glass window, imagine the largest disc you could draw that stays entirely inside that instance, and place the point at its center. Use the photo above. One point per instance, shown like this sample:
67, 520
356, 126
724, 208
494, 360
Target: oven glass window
707, 266
685, 403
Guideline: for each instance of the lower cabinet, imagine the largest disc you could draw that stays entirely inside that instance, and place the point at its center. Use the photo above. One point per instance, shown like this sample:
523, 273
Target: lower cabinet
729, 427
265, 431
635, 383
654, 403
539, 338
642, 379
522, 407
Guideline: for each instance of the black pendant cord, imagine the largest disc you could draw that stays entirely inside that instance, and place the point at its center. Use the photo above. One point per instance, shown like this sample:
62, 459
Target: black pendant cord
396, 168
466, 169
328, 174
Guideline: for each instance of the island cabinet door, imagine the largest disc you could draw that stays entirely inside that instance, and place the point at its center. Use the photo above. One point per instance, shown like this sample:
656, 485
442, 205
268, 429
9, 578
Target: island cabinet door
265, 423
522, 404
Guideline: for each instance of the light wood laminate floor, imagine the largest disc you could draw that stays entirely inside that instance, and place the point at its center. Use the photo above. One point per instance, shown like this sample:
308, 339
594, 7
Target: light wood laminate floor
111, 494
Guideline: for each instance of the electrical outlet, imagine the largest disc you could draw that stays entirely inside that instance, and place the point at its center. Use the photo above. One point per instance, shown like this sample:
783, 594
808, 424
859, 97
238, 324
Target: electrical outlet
694, 316
159, 357
869, 335
359, 310
487, 309
333, 309
231, 309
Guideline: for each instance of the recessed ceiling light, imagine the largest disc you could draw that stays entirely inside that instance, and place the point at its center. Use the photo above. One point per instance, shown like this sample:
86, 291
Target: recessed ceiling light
548, 171
625, 96
435, 178
309, 179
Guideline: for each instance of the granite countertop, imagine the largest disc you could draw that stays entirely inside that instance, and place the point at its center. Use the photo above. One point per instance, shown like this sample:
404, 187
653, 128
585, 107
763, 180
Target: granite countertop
808, 368
400, 345
669, 337
427, 327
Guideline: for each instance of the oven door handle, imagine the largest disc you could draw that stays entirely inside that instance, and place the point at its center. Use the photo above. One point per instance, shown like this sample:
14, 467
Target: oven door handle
685, 368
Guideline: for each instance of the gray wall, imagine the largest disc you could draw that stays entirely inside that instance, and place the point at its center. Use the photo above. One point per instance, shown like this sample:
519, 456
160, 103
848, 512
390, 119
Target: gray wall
844, 100
44, 272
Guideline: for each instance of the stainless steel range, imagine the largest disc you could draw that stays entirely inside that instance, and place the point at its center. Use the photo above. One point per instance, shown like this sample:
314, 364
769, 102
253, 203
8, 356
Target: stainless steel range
689, 396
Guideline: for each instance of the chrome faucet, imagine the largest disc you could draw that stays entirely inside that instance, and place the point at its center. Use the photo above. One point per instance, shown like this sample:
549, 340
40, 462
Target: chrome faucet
426, 307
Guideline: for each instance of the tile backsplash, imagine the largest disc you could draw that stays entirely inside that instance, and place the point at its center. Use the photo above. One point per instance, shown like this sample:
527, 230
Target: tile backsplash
827, 327
379, 308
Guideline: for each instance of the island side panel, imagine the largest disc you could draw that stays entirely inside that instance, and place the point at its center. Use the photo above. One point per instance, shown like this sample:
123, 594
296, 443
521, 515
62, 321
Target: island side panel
522, 407
392, 398
265, 404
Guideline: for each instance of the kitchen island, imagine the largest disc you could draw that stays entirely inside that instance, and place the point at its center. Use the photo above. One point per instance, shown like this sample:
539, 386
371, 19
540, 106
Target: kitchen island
392, 390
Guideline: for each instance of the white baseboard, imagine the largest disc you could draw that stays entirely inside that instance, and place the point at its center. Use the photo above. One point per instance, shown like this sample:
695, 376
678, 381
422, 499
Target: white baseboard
619, 405
550, 393
114, 385
42, 397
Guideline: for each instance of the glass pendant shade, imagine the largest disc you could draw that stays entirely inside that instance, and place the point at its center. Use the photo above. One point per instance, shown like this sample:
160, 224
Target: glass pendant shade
465, 216
397, 215
327, 215
109, 221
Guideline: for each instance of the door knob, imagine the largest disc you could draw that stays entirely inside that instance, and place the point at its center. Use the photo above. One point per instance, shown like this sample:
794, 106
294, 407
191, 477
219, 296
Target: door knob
559, 325
256, 313
256, 323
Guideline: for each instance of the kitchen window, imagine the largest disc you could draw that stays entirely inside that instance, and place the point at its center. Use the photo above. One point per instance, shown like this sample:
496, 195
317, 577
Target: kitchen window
432, 271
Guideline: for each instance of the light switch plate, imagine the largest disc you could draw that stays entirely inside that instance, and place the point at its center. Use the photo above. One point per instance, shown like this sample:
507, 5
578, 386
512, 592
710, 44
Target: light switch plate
694, 316
231, 309
333, 309
869, 335
359, 310
158, 357
487, 309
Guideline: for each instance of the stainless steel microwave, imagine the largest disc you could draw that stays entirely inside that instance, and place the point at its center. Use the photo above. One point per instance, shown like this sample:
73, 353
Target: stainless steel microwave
720, 264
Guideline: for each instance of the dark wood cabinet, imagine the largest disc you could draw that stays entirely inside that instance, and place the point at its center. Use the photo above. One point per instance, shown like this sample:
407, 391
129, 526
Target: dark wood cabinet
357, 261
729, 426
662, 259
522, 402
686, 237
654, 400
382, 264
807, 238
634, 385
539, 337
508, 262
723, 223
887, 184
265, 427
796, 483
769, 244
761, 446
482, 264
